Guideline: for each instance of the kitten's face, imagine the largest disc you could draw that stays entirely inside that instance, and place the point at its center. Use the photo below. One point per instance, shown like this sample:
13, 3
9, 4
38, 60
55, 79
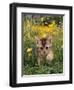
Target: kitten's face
43, 45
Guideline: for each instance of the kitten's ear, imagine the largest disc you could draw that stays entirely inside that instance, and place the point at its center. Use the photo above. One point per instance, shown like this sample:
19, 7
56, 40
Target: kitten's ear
37, 39
50, 39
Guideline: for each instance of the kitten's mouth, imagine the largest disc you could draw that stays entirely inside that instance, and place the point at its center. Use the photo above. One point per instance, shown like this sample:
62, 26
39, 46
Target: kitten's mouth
44, 54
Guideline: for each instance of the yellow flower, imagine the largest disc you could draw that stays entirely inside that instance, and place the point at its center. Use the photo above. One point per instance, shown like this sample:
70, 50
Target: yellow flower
55, 33
29, 54
28, 24
29, 50
28, 34
43, 30
44, 35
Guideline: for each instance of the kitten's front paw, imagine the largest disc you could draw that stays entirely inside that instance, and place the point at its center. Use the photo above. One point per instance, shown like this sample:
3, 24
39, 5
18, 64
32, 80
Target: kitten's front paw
50, 56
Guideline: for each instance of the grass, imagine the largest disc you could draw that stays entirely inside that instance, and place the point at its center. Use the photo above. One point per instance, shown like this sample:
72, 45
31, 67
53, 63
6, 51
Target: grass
56, 66
53, 68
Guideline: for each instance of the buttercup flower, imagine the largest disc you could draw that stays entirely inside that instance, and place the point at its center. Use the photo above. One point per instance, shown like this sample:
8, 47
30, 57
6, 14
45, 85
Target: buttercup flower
44, 35
29, 54
29, 50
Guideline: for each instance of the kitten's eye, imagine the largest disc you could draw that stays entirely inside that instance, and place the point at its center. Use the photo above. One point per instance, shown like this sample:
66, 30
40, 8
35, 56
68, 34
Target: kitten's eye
41, 48
46, 47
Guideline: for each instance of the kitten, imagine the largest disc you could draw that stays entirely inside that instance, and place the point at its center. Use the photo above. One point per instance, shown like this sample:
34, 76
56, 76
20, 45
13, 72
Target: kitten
44, 50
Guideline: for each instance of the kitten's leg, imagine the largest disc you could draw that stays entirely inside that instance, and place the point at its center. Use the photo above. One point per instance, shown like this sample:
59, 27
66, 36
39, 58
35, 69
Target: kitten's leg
39, 61
49, 57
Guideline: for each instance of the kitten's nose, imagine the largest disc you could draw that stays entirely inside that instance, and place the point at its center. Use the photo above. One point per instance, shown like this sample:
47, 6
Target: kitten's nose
44, 51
